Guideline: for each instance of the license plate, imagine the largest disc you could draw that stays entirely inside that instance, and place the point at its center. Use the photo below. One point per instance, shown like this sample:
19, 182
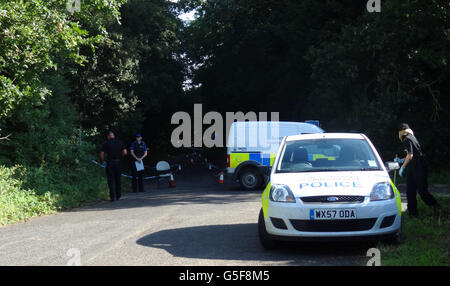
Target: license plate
332, 214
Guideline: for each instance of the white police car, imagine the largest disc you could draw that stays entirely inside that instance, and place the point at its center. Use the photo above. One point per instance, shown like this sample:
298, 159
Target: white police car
329, 185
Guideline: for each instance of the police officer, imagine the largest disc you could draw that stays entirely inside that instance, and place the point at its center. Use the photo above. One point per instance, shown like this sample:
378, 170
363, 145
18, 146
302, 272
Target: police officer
138, 150
416, 167
114, 149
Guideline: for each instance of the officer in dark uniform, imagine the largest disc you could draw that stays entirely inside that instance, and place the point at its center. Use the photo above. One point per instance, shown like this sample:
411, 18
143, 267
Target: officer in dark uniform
114, 149
416, 172
138, 150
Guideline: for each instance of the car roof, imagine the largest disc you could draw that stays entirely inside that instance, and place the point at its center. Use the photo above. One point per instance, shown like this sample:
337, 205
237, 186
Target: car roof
326, 136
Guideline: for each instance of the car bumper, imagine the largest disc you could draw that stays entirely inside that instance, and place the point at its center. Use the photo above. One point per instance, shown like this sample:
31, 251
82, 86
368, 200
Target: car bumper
292, 220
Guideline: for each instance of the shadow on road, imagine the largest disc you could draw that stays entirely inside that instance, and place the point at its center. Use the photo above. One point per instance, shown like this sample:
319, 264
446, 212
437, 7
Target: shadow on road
195, 185
240, 242
174, 197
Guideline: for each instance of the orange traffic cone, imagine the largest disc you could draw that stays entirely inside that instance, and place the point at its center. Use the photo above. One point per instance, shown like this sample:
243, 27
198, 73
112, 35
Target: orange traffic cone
221, 178
172, 181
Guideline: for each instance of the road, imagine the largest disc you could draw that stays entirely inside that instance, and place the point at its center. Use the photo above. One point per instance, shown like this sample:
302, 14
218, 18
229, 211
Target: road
197, 223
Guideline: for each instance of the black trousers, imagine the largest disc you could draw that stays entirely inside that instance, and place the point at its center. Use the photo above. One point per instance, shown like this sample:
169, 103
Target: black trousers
417, 182
136, 179
113, 171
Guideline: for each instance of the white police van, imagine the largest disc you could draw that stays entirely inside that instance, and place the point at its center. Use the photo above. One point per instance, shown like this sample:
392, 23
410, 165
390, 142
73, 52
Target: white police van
252, 144
329, 185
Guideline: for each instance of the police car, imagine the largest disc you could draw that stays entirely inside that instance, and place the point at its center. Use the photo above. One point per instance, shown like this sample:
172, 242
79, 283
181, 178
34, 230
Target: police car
329, 185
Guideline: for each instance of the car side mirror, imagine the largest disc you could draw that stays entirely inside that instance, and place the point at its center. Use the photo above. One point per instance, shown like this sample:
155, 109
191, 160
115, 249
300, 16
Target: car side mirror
391, 166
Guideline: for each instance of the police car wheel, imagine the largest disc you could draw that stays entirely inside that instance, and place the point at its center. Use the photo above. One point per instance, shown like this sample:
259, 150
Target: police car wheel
264, 238
250, 179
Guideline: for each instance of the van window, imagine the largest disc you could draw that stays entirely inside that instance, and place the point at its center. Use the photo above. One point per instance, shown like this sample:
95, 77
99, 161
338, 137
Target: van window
260, 135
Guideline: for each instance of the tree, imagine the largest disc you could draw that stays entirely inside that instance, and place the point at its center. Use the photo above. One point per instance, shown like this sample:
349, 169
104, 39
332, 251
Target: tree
39, 40
387, 68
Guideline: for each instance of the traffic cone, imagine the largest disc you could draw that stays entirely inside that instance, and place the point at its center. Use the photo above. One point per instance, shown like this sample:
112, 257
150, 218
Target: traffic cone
172, 181
221, 178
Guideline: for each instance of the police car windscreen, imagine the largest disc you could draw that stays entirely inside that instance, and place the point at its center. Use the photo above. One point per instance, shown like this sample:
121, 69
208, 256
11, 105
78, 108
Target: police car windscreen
320, 155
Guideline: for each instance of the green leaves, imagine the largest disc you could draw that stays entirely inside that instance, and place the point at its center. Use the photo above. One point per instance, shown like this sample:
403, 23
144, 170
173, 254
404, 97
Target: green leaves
387, 68
329, 60
40, 43
30, 192
38, 36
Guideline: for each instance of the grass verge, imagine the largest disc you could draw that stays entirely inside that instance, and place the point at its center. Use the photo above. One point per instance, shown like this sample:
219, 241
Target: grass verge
26, 192
426, 239
441, 177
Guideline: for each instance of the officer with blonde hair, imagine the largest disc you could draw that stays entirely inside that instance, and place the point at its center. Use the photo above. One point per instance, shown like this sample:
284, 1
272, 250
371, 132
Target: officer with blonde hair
416, 167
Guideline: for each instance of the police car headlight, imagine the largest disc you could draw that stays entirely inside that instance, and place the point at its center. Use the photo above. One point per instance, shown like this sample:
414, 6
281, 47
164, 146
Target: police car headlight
281, 194
382, 191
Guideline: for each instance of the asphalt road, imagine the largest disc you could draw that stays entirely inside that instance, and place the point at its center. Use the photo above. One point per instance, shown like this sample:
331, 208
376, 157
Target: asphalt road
197, 223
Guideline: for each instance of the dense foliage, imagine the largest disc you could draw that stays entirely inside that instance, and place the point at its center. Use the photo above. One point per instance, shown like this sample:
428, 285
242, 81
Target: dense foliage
66, 76
329, 60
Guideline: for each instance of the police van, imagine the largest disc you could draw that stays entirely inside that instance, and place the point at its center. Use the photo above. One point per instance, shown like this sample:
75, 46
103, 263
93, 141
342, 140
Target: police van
330, 185
254, 143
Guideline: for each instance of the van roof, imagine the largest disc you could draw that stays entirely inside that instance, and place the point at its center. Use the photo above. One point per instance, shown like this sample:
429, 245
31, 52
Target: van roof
310, 128
326, 136
280, 122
